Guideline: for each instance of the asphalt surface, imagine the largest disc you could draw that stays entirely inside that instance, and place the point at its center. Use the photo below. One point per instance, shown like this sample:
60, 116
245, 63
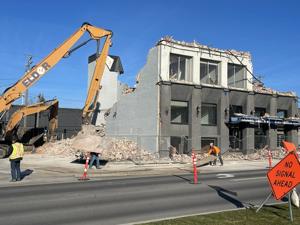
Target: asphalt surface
122, 201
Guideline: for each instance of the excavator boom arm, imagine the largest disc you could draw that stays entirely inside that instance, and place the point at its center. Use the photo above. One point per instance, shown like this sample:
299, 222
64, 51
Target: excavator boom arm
94, 86
50, 61
29, 110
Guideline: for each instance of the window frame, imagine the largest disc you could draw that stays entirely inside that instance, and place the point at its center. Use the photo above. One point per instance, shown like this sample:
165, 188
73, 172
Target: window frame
210, 140
188, 66
209, 62
187, 113
234, 75
203, 104
285, 112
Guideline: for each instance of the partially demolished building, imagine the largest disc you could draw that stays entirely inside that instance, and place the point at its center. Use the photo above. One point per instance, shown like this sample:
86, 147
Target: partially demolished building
188, 95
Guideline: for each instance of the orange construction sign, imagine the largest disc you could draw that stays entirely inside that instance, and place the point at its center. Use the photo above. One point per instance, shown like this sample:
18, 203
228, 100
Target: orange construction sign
285, 175
289, 146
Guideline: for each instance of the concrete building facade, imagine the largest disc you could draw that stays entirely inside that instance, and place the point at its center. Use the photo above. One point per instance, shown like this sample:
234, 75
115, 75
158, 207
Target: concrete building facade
189, 95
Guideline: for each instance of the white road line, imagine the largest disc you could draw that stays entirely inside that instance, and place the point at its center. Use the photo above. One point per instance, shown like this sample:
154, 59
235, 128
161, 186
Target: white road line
249, 178
224, 175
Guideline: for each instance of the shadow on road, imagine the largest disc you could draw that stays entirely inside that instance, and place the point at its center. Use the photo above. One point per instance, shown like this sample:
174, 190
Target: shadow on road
223, 193
26, 173
183, 178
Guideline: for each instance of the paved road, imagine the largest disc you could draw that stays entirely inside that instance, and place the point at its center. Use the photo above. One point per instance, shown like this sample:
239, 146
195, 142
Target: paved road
130, 200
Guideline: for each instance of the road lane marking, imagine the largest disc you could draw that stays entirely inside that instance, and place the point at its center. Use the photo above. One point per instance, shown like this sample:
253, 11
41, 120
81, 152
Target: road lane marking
224, 175
249, 178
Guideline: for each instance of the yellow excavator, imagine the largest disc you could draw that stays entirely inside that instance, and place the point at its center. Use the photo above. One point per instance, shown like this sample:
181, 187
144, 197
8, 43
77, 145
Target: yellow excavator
16, 117
63, 51
11, 129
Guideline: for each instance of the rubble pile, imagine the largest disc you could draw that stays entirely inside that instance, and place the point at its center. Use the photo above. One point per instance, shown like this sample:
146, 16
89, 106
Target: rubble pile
91, 139
182, 158
260, 88
261, 154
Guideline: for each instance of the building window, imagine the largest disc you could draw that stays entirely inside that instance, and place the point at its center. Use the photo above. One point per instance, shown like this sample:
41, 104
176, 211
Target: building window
205, 141
236, 138
282, 113
180, 143
281, 136
235, 109
209, 71
209, 114
260, 138
180, 67
179, 112
259, 111
236, 76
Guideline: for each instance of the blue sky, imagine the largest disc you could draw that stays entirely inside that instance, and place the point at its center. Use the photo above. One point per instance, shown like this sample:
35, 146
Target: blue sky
268, 29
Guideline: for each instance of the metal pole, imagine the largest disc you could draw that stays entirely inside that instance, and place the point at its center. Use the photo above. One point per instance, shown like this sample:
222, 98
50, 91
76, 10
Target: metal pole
264, 202
290, 207
27, 68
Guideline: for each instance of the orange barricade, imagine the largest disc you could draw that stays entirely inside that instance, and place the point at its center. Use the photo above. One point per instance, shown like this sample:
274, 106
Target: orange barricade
194, 160
270, 158
84, 176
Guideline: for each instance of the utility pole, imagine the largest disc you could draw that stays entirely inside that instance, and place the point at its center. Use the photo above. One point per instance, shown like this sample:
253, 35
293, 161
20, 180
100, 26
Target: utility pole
27, 69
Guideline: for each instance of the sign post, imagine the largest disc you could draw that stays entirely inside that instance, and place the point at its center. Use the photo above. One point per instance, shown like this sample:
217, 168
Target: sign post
290, 207
283, 178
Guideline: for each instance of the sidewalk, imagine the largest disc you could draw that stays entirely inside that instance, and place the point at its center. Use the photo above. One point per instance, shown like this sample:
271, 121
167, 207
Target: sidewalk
50, 169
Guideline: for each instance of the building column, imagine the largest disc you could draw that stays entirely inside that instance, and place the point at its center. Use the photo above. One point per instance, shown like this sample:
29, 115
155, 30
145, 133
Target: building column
248, 133
292, 135
223, 111
272, 131
164, 118
195, 115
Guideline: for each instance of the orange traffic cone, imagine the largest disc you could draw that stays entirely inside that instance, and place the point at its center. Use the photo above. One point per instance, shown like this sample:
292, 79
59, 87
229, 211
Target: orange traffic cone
84, 176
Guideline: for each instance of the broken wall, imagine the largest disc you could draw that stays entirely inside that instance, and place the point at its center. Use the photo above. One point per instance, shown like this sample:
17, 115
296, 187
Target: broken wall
109, 89
135, 115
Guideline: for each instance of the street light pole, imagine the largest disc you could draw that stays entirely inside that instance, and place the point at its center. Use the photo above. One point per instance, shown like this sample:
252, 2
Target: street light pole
26, 100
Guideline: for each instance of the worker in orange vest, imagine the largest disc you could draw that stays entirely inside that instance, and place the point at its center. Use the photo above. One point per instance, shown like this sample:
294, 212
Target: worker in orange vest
216, 151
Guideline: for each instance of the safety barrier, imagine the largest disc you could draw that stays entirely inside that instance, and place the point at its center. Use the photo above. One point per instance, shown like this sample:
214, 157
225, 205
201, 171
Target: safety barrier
270, 158
84, 176
194, 161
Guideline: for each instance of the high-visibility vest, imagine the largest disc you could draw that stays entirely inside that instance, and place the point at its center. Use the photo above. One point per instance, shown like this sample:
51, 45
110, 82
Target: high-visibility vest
215, 150
18, 151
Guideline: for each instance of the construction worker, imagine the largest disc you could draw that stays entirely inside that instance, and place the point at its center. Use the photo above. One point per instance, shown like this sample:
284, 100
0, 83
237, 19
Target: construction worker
16, 152
94, 157
214, 150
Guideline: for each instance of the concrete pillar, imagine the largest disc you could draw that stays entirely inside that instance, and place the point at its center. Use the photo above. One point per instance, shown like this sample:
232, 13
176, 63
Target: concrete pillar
164, 60
196, 69
223, 73
195, 116
272, 131
248, 133
292, 135
223, 114
165, 117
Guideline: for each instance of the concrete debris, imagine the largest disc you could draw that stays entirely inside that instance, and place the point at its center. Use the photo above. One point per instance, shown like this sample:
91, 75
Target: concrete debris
195, 44
126, 89
261, 154
91, 138
260, 88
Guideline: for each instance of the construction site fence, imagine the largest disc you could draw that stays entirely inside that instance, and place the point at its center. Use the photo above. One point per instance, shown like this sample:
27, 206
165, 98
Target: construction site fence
67, 133
161, 145
185, 145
